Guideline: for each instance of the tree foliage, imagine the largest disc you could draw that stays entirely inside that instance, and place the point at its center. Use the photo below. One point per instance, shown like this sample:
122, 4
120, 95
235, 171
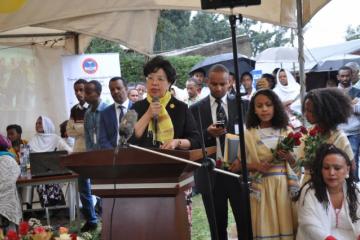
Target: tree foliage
176, 29
352, 33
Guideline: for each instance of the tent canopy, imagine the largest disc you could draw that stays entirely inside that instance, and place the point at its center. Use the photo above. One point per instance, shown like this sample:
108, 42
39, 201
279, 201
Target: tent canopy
133, 23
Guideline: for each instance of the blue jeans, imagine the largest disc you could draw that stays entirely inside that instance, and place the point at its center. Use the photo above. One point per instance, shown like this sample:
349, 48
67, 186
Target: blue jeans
355, 146
86, 200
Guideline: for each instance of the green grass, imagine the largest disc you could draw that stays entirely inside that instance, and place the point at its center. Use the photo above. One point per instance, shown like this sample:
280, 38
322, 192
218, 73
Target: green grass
200, 226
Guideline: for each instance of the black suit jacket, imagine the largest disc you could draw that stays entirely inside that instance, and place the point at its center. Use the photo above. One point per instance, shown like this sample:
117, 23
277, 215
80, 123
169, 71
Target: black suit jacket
182, 120
206, 117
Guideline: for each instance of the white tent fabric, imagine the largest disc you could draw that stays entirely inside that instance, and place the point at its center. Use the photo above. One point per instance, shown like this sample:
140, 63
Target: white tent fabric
133, 23
31, 85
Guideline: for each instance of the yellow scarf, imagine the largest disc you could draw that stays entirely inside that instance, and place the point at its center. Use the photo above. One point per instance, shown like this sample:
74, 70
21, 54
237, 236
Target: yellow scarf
165, 129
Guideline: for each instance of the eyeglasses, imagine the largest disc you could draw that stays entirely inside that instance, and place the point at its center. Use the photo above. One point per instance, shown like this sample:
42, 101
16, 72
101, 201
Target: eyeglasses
153, 77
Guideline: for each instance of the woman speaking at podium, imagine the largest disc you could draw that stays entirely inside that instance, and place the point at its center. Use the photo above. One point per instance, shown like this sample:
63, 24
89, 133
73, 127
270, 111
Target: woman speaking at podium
163, 121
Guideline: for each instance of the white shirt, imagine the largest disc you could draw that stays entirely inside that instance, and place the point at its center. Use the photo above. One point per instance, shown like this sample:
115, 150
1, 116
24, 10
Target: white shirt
125, 106
213, 106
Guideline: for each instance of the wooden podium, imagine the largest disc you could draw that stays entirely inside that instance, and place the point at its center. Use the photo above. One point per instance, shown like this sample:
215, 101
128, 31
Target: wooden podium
145, 191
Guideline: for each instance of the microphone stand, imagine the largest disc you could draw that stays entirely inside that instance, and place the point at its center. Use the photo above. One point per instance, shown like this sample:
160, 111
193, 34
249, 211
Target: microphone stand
247, 229
205, 183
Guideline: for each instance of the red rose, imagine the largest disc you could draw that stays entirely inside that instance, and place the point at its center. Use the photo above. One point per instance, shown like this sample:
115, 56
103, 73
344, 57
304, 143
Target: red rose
297, 135
313, 132
39, 230
12, 235
290, 135
73, 236
297, 142
23, 228
218, 163
303, 130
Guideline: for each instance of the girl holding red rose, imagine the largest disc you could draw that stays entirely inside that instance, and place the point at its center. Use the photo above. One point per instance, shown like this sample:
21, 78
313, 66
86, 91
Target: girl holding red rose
326, 109
271, 208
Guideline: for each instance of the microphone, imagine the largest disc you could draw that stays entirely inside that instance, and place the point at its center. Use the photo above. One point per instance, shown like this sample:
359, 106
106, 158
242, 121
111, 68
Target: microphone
155, 119
127, 124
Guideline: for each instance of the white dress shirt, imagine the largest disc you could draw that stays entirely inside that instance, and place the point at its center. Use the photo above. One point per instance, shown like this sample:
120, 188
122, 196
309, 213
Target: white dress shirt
213, 106
125, 106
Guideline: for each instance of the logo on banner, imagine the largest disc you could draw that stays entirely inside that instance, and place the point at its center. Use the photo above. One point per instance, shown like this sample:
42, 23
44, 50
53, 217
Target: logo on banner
90, 66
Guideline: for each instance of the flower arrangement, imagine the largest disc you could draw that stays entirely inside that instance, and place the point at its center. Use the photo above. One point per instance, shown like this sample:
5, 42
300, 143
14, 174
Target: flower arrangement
33, 230
288, 143
313, 140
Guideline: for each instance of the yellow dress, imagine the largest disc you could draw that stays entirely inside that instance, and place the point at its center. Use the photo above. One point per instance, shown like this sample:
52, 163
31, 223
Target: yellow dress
337, 138
272, 211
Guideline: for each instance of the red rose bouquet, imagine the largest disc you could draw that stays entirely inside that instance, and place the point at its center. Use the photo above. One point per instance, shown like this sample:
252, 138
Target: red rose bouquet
313, 140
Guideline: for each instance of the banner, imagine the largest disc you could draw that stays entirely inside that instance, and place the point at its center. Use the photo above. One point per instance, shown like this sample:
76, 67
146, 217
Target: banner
101, 67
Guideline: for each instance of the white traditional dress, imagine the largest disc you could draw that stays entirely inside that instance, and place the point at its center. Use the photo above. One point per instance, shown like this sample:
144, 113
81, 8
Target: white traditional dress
318, 222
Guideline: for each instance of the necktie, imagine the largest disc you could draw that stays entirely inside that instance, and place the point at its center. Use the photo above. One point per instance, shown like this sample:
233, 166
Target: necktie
121, 112
221, 116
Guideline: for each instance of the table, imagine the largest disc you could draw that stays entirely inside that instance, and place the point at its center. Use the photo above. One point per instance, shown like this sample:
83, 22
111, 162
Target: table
26, 180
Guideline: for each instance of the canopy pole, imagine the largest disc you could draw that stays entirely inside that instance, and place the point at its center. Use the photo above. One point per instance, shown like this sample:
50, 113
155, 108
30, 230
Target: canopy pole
76, 43
301, 49
246, 232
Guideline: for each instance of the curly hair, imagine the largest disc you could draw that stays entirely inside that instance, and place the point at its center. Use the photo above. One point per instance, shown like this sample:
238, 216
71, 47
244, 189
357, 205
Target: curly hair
159, 62
318, 184
280, 118
331, 107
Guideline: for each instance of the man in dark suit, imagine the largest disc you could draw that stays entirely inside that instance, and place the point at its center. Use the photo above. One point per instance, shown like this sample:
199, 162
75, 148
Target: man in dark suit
219, 115
111, 116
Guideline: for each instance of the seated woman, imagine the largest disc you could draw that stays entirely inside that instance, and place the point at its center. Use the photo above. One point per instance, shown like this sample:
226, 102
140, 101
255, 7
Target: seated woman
10, 209
45, 140
164, 121
329, 204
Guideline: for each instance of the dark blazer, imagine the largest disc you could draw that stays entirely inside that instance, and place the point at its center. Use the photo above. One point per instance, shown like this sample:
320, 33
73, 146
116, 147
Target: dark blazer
182, 120
109, 127
354, 92
206, 117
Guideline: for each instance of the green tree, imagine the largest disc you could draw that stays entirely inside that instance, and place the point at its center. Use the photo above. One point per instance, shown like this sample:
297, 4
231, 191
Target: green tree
352, 33
263, 38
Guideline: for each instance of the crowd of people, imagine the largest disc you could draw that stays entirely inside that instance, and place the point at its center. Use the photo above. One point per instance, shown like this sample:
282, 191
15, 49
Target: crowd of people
306, 191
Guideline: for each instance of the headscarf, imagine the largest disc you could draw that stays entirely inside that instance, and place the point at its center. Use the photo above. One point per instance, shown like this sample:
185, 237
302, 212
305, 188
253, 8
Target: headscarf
47, 141
165, 129
4, 142
288, 92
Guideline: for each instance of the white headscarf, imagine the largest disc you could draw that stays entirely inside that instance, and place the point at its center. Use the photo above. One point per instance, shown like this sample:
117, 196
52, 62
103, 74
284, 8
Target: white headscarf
288, 92
47, 141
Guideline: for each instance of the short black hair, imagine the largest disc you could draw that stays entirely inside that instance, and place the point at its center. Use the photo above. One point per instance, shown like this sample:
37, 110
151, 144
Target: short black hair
345, 68
275, 71
280, 119
97, 84
331, 107
270, 78
201, 70
80, 81
159, 62
17, 128
193, 80
247, 74
218, 68
119, 78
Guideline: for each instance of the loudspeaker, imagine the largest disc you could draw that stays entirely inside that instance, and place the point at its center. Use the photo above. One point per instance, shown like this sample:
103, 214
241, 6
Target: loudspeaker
214, 4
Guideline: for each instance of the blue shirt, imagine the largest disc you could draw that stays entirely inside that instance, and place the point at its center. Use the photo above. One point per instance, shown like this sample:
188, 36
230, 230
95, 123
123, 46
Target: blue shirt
91, 127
